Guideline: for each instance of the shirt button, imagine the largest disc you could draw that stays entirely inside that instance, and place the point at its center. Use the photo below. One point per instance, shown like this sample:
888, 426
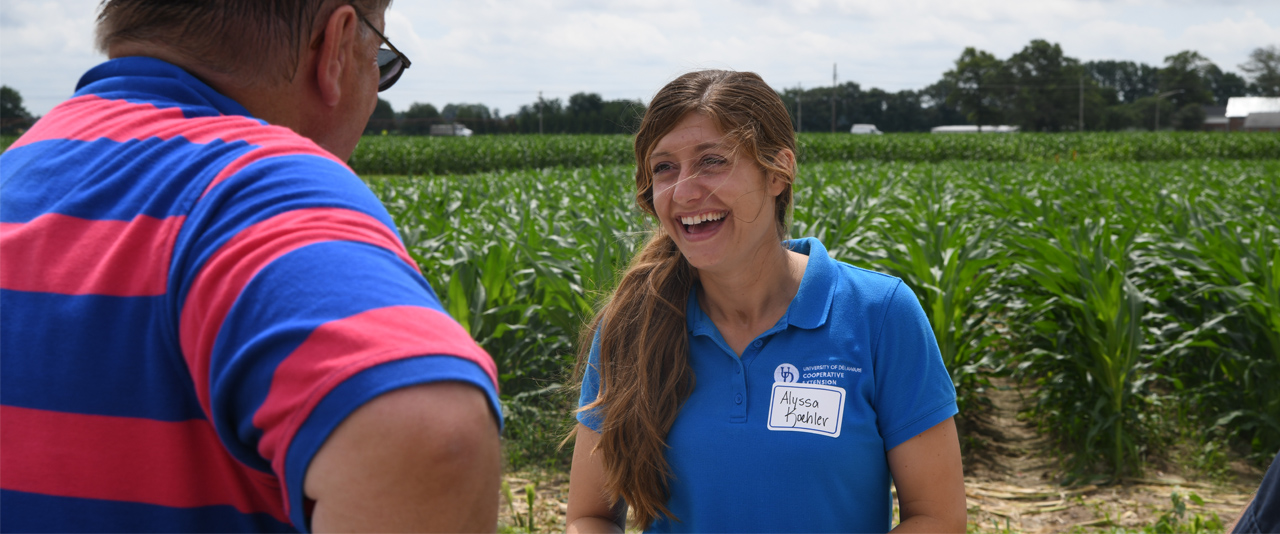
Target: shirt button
737, 370
758, 343
737, 399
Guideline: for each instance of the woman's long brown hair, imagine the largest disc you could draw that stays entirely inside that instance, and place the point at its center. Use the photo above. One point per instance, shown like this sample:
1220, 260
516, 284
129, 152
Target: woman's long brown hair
644, 345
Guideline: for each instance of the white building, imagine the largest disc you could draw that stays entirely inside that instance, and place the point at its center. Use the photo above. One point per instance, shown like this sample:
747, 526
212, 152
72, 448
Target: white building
1240, 108
969, 128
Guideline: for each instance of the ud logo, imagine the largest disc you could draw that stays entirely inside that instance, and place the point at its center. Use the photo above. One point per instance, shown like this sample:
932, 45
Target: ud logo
786, 373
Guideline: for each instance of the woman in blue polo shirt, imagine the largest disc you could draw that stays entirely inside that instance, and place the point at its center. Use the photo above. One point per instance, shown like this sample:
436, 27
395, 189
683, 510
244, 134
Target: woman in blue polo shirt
736, 382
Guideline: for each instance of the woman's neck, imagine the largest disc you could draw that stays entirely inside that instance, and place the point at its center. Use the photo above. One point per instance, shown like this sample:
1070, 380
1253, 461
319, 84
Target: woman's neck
752, 297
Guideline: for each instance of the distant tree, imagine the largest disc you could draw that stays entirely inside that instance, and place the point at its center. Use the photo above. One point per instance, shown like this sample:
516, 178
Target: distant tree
586, 104
383, 118
1047, 87
1224, 85
1129, 80
476, 117
553, 117
417, 120
892, 112
978, 86
935, 109
903, 111
1185, 72
621, 116
1263, 69
13, 116
1190, 117
465, 111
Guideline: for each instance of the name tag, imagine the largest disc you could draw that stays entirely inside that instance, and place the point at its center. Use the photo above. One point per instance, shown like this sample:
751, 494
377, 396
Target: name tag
812, 408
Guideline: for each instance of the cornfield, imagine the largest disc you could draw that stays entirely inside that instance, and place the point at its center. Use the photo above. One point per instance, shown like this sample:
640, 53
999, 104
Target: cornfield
1117, 286
455, 155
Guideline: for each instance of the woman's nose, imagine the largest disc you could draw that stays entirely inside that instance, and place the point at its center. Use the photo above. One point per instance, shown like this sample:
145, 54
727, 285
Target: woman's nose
688, 187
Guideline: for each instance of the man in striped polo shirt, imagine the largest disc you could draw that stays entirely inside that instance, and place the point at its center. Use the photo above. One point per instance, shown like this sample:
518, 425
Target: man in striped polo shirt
207, 322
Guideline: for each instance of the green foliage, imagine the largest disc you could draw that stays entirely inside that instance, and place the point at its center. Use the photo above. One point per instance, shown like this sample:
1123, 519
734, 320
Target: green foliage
937, 239
14, 117
1081, 284
1184, 74
1264, 69
586, 113
1175, 521
980, 86
382, 119
1120, 286
1229, 266
450, 155
520, 259
458, 155
1047, 89
417, 120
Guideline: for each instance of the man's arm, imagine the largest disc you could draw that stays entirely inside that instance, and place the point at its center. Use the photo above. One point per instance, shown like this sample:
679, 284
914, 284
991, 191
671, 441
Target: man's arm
423, 458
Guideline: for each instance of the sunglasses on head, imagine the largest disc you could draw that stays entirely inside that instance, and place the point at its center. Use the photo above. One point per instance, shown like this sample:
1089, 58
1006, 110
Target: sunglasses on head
391, 63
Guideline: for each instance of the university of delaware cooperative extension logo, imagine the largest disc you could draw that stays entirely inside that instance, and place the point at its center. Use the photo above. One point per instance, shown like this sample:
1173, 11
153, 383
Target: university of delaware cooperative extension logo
786, 373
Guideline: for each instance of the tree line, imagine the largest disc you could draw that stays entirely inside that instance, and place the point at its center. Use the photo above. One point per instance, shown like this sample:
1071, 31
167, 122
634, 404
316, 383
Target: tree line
1039, 88
585, 113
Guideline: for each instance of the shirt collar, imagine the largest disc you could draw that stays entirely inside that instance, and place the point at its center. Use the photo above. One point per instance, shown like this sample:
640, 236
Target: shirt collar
809, 308
119, 79
812, 304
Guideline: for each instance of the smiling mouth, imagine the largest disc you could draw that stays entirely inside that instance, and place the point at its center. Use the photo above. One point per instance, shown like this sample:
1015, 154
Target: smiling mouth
703, 223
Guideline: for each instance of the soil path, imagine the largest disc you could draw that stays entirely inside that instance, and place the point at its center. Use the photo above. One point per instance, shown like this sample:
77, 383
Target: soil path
1011, 471
1010, 484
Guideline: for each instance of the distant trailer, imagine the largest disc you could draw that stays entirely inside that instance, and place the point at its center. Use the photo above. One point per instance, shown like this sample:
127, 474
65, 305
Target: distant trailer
454, 129
969, 128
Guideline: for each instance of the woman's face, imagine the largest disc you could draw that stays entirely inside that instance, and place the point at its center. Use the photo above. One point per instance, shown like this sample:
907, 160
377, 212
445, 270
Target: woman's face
717, 206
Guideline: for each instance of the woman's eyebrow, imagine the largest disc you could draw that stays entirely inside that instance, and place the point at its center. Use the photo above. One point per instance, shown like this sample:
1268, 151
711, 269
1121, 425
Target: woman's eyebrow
699, 148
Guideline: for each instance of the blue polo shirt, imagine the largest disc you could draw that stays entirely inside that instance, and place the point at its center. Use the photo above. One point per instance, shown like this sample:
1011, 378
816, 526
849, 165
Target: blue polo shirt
1263, 514
792, 436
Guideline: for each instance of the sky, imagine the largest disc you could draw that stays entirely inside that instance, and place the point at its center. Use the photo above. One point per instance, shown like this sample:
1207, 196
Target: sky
504, 53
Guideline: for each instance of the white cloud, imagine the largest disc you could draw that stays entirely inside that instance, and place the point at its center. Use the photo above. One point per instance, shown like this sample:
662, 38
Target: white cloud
45, 45
503, 53
1221, 39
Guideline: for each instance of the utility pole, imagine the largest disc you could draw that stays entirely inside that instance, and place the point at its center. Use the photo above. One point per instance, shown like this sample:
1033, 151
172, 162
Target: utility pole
833, 98
1082, 102
1160, 97
539, 112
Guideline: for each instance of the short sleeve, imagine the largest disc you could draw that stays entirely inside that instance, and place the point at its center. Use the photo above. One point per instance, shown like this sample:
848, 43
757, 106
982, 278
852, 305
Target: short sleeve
1263, 514
914, 391
591, 387
299, 303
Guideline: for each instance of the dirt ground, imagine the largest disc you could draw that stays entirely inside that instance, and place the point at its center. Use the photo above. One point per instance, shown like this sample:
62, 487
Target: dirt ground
1009, 484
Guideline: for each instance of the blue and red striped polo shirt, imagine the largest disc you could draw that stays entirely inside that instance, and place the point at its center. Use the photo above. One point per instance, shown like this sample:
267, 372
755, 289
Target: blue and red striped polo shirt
191, 300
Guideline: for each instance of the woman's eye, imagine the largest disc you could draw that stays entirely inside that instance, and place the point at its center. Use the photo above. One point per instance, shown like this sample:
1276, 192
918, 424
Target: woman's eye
662, 167
711, 161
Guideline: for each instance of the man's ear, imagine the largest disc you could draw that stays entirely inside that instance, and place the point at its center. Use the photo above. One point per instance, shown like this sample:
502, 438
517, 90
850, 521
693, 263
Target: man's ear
336, 51
787, 160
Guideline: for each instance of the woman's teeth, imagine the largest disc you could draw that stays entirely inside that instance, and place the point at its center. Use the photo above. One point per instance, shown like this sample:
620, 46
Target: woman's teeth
699, 219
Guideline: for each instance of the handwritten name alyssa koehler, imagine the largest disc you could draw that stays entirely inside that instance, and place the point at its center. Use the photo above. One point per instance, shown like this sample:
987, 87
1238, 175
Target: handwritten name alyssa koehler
812, 408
